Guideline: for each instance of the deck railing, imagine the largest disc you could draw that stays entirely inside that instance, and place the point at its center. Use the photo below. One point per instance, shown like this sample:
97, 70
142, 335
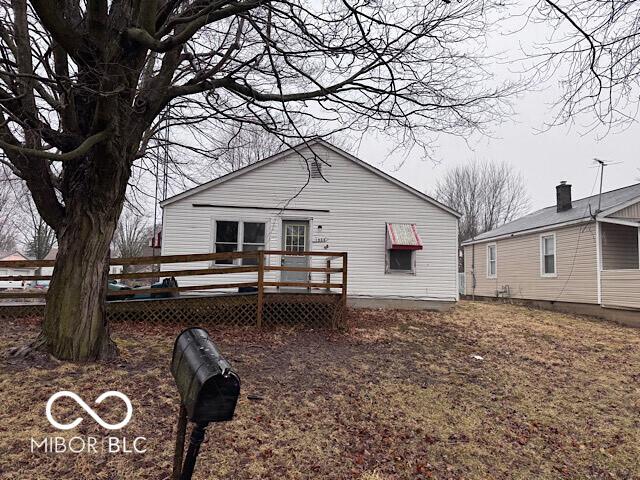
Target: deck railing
261, 257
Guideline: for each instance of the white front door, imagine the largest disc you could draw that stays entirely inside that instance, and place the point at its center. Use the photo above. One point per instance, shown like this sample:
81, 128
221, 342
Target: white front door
295, 238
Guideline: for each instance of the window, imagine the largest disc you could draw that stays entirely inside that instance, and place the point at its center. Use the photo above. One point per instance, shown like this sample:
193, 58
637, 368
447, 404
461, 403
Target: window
226, 239
252, 240
492, 260
238, 237
548, 255
403, 241
295, 237
401, 261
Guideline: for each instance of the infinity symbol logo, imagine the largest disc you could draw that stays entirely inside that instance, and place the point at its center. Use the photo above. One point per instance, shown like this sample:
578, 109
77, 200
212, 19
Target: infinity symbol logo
89, 410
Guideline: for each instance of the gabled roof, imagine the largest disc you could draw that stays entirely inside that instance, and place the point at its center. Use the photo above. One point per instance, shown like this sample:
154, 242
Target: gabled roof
10, 256
285, 153
582, 210
53, 253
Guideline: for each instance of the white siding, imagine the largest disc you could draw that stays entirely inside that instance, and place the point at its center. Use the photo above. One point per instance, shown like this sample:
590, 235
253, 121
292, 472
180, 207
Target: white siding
359, 203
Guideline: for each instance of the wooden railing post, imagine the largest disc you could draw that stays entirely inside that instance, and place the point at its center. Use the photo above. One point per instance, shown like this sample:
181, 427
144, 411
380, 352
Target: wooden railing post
344, 279
328, 279
260, 305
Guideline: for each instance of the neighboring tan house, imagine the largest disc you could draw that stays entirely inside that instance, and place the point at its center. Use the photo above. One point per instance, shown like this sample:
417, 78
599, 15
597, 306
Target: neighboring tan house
5, 271
402, 244
573, 255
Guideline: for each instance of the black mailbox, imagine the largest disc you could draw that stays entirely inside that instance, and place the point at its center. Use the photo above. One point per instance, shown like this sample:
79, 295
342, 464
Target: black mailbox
209, 389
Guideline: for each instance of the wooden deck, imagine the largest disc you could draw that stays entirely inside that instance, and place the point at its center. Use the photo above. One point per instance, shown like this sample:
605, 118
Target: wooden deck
316, 304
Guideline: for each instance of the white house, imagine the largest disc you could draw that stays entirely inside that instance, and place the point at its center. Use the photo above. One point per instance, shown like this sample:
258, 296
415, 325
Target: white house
402, 244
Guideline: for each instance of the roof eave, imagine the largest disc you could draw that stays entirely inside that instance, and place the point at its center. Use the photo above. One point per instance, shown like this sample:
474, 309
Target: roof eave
519, 233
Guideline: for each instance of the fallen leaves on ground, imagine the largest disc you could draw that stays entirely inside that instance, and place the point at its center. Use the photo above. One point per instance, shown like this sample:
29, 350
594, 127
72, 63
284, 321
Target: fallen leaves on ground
399, 395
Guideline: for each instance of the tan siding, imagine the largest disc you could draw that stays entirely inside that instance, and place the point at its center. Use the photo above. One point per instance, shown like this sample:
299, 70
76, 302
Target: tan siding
619, 246
632, 211
621, 288
518, 266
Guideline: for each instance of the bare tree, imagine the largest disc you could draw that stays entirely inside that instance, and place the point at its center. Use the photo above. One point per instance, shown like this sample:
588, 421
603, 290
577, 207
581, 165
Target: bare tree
487, 194
8, 213
595, 51
132, 235
38, 238
244, 145
92, 90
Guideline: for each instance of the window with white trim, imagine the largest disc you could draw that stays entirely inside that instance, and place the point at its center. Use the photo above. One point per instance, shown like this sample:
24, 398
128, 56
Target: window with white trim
492, 260
403, 241
238, 236
548, 255
401, 261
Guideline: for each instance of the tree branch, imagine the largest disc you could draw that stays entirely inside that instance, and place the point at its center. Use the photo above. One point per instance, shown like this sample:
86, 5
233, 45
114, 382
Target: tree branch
81, 150
64, 33
147, 40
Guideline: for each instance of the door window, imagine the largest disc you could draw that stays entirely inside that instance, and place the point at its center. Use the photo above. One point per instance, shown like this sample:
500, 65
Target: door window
295, 237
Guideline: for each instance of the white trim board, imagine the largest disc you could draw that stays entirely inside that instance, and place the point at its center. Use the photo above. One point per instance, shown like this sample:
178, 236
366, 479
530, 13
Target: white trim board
628, 223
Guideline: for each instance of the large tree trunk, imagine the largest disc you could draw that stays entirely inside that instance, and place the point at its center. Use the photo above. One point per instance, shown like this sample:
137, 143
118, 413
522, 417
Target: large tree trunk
75, 325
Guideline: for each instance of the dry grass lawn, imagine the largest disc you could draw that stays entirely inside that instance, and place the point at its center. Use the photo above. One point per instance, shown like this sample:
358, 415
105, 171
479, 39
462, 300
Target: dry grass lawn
398, 396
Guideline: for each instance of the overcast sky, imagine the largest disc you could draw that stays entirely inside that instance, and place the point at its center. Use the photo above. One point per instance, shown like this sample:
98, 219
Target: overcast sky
562, 153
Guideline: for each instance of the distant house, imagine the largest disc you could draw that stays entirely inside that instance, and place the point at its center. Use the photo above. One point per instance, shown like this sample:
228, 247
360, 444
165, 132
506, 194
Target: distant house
573, 255
5, 271
402, 244
53, 253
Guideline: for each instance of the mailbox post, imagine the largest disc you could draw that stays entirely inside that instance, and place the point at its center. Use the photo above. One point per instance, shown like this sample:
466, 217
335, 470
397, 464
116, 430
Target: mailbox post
209, 391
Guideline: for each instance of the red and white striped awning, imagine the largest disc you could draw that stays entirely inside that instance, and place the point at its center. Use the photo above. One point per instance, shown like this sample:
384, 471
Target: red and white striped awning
403, 236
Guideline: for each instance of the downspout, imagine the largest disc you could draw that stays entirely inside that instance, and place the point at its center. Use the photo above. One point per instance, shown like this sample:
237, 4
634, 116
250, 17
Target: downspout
473, 271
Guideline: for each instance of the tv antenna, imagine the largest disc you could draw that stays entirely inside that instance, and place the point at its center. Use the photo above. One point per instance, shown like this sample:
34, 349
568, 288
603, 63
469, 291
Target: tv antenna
601, 164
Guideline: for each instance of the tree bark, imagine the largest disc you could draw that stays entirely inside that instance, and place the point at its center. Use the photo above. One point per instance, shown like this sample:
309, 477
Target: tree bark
75, 325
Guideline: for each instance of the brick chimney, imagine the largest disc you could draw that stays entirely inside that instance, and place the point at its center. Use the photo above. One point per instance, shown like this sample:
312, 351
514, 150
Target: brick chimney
563, 196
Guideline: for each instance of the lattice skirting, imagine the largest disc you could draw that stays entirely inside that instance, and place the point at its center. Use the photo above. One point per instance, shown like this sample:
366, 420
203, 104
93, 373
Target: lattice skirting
315, 310
233, 310
11, 311
288, 309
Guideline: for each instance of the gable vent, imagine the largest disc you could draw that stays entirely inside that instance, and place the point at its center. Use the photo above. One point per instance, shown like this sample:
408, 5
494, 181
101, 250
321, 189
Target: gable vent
315, 168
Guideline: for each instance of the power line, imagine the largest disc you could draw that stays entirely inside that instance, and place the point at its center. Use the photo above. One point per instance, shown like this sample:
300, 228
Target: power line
588, 226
